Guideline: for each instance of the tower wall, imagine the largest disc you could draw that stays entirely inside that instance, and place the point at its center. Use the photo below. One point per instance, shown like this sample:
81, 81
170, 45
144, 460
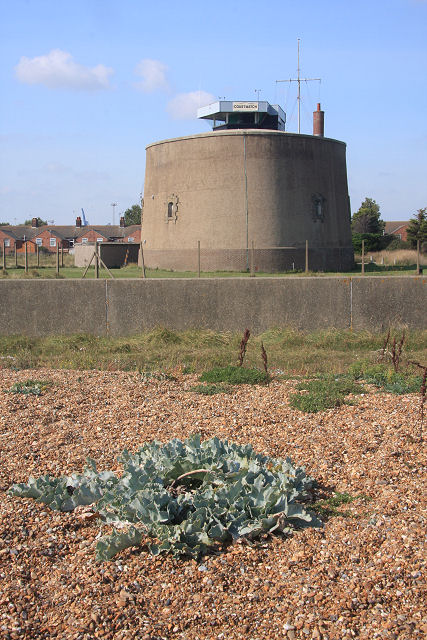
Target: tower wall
228, 189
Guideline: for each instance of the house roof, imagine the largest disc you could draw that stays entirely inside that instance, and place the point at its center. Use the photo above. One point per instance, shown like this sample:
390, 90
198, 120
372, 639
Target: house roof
68, 231
7, 231
20, 231
395, 225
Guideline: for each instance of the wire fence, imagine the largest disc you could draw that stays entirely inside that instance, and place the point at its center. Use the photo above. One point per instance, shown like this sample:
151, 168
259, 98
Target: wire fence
251, 260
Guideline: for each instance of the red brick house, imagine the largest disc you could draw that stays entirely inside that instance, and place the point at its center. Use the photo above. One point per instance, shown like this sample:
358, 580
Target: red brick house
7, 239
397, 228
50, 238
91, 234
17, 236
66, 236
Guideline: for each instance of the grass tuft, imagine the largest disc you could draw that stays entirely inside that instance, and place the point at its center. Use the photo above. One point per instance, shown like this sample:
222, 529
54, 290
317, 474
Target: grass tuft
234, 375
211, 389
323, 393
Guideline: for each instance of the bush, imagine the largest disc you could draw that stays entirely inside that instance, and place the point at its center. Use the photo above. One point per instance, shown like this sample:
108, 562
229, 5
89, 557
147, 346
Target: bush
373, 241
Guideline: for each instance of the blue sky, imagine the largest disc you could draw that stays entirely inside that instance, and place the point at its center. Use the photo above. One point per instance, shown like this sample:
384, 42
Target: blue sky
87, 84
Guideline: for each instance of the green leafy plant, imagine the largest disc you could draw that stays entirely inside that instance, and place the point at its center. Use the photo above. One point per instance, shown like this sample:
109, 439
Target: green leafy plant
190, 496
386, 378
329, 507
211, 389
234, 375
323, 393
29, 387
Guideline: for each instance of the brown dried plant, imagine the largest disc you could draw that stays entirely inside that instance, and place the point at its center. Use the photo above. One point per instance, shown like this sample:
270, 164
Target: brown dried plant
383, 350
422, 389
395, 351
264, 359
243, 343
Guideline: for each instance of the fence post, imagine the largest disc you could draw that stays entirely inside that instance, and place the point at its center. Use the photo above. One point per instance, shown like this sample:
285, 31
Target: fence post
62, 256
419, 270
252, 259
143, 275
306, 256
198, 258
16, 257
363, 257
38, 255
26, 257
4, 255
57, 257
96, 260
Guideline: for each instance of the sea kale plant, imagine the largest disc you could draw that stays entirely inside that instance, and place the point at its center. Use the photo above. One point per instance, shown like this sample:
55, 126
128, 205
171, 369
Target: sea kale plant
188, 497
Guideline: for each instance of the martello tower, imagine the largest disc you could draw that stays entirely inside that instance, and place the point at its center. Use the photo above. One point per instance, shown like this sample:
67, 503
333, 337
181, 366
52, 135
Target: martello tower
247, 183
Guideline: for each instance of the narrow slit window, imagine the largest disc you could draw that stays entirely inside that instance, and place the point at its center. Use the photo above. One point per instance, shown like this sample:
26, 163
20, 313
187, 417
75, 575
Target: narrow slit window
170, 209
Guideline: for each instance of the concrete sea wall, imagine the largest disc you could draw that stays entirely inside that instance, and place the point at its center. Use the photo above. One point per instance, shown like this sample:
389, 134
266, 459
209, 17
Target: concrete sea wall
124, 307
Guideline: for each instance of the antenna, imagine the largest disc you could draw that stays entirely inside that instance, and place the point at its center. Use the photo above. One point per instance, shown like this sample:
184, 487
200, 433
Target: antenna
299, 80
114, 205
258, 91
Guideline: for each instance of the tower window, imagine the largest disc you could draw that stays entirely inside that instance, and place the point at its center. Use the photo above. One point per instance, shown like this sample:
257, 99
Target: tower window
170, 209
318, 207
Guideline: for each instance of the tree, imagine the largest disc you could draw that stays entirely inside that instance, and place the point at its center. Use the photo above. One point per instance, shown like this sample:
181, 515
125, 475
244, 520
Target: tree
4, 224
133, 215
40, 222
417, 229
367, 218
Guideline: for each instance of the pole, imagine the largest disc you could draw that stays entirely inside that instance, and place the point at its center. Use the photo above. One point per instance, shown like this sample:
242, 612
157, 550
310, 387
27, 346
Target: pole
38, 255
62, 256
26, 258
198, 258
57, 257
143, 275
306, 256
96, 261
419, 271
4, 255
363, 257
298, 79
16, 257
246, 203
299, 96
252, 259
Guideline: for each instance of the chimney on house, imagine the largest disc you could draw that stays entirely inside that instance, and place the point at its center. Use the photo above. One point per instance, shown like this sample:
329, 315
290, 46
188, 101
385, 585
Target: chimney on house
34, 223
318, 122
78, 222
122, 221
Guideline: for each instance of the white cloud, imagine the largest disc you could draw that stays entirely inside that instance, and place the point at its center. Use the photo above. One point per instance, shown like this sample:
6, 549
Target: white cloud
57, 70
153, 74
184, 105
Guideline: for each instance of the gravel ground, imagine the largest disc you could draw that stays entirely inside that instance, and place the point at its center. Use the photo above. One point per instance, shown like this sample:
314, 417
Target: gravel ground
360, 576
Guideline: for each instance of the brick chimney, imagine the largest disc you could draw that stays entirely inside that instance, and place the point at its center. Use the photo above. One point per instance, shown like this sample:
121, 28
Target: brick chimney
34, 223
78, 222
318, 122
122, 221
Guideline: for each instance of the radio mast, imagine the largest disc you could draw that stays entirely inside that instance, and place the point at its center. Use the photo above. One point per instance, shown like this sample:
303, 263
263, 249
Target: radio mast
299, 80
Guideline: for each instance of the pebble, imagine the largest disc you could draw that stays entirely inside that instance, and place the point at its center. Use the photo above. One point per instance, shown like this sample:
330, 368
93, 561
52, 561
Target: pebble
339, 582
